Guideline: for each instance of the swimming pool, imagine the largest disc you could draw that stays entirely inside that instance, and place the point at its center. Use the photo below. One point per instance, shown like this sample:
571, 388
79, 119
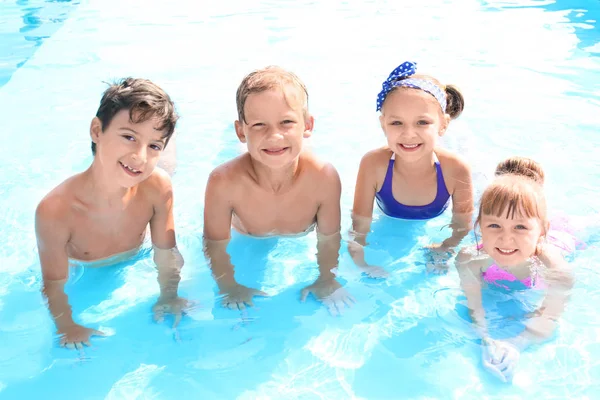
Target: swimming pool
530, 74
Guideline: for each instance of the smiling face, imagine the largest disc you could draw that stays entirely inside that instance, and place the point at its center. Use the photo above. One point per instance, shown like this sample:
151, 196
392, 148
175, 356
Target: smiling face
412, 121
128, 151
274, 126
510, 241
512, 218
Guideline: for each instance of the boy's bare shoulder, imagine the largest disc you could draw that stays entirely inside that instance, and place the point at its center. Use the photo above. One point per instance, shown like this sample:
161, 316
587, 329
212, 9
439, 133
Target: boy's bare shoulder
319, 169
158, 186
230, 171
59, 202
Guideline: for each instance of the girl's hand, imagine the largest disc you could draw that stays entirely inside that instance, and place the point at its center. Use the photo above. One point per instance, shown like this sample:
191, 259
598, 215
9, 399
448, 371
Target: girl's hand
438, 258
500, 358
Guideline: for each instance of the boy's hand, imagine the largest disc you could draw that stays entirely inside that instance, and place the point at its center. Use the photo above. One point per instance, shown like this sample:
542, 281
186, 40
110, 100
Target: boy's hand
75, 336
374, 271
172, 305
330, 293
236, 296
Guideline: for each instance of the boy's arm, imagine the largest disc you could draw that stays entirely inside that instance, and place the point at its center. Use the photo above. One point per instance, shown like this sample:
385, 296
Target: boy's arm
326, 288
462, 205
329, 221
52, 236
560, 280
218, 212
167, 258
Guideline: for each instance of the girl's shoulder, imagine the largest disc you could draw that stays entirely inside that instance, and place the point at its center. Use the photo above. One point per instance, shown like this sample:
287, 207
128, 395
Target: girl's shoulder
452, 164
377, 157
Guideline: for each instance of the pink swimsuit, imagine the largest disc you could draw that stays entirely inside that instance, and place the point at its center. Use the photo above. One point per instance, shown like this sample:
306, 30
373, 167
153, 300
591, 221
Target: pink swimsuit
494, 274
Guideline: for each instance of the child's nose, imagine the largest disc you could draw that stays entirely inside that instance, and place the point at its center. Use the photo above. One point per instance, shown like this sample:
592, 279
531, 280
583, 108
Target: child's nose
140, 154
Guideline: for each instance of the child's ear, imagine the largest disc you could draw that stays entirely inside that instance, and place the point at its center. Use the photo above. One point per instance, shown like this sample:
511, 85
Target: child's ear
445, 123
309, 124
239, 131
95, 129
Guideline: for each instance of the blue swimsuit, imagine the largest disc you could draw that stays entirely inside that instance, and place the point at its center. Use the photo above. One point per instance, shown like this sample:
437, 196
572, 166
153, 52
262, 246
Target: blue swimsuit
388, 204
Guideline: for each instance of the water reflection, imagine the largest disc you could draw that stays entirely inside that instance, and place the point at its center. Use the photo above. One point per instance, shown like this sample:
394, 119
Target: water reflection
26, 24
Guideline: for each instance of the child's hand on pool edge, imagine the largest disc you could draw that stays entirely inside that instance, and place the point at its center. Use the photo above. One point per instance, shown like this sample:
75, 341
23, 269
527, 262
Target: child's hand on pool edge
173, 305
331, 293
76, 336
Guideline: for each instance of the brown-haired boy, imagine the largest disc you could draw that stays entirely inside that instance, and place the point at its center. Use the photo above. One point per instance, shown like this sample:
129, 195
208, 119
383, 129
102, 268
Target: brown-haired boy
102, 213
276, 188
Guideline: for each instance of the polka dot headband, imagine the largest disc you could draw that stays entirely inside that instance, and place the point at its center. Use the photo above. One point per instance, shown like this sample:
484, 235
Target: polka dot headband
400, 77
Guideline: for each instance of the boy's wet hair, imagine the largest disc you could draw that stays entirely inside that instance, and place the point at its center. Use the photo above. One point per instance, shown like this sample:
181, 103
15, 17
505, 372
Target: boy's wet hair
521, 166
455, 102
513, 196
143, 99
268, 78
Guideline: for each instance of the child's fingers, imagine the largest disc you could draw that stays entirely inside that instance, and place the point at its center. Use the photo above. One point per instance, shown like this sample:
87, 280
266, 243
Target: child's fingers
177, 320
260, 293
96, 332
159, 316
304, 294
494, 371
331, 307
348, 301
87, 343
70, 345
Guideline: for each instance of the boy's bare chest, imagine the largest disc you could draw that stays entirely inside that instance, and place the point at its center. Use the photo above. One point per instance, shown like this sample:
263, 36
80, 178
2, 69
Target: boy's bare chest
101, 233
262, 213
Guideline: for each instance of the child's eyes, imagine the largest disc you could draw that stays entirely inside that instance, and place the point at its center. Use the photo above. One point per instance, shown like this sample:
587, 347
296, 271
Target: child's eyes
258, 125
155, 147
128, 137
521, 227
395, 123
288, 121
493, 226
423, 122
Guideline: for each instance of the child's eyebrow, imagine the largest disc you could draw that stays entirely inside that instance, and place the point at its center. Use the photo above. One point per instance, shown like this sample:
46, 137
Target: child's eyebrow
128, 129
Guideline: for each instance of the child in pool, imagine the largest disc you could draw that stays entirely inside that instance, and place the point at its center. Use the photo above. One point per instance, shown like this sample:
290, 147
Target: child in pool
411, 177
560, 232
514, 247
275, 188
102, 214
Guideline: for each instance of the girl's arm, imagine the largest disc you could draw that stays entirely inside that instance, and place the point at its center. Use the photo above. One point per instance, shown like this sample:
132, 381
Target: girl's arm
469, 271
362, 209
560, 280
462, 204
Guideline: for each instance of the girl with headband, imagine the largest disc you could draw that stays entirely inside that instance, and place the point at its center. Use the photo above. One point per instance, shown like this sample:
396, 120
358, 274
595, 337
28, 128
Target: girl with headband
412, 178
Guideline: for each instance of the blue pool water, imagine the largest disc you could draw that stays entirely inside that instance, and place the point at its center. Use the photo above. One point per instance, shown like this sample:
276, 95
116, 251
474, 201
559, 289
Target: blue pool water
529, 71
